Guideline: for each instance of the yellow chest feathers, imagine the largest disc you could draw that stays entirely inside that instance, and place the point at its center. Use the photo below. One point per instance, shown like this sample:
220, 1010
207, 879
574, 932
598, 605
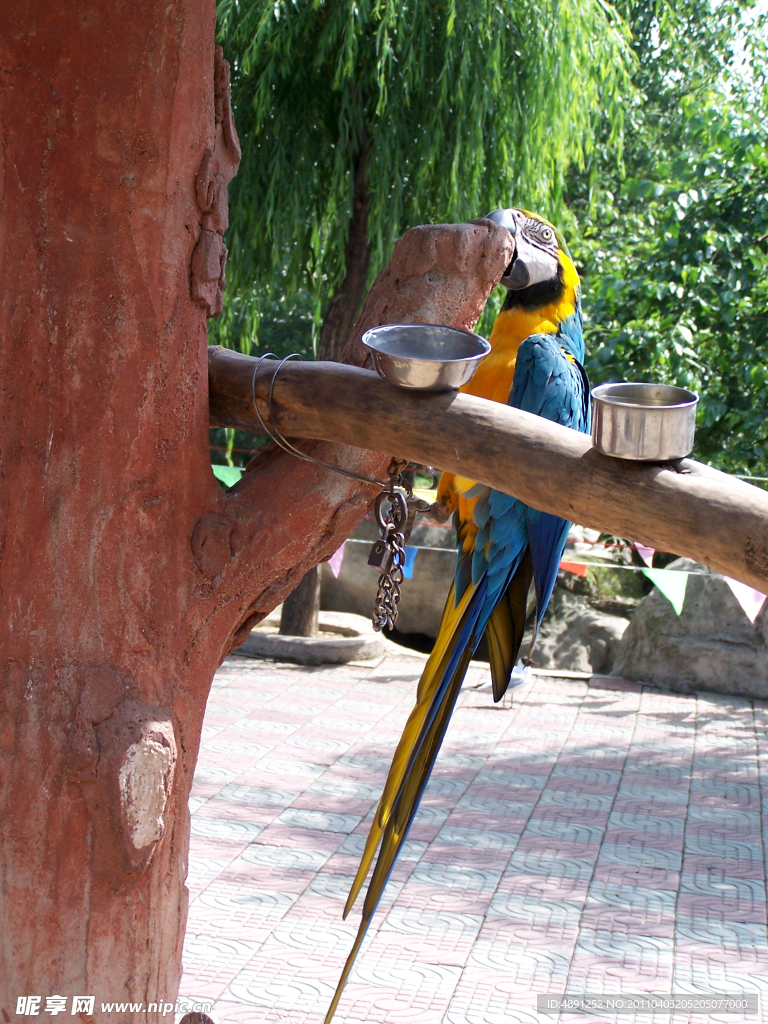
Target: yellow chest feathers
493, 379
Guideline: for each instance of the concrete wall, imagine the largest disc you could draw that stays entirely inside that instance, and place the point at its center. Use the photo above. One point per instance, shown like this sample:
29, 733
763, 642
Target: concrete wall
423, 597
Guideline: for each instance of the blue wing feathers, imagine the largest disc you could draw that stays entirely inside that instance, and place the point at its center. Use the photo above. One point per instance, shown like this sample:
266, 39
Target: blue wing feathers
554, 386
547, 535
549, 382
515, 546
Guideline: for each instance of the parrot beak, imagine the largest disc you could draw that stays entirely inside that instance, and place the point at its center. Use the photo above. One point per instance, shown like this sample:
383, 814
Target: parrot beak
516, 271
516, 275
504, 218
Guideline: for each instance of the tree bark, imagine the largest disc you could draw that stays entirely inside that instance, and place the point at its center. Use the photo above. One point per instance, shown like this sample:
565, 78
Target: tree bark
681, 506
348, 298
301, 609
126, 574
105, 113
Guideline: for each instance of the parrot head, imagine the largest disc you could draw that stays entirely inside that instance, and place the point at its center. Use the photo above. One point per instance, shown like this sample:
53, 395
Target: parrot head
541, 270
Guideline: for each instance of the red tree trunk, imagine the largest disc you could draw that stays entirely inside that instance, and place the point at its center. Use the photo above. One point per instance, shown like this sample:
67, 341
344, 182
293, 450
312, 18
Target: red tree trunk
106, 110
126, 574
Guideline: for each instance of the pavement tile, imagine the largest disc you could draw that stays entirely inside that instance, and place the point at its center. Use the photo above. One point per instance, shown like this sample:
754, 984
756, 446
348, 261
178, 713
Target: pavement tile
599, 682
212, 961
429, 935
484, 840
483, 996
598, 836
537, 919
611, 976
725, 881
632, 874
281, 834
226, 1012
229, 829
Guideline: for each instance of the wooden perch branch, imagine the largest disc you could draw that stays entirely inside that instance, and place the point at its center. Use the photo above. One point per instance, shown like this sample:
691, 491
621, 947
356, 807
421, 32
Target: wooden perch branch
683, 507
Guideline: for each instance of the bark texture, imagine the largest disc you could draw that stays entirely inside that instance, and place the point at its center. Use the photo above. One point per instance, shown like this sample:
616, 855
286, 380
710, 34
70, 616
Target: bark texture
126, 573
301, 609
106, 110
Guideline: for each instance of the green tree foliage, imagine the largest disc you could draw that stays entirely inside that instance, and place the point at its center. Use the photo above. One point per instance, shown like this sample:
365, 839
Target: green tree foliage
442, 109
674, 246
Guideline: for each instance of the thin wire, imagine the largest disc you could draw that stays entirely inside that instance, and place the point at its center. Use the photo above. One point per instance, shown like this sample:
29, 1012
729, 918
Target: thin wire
283, 442
589, 565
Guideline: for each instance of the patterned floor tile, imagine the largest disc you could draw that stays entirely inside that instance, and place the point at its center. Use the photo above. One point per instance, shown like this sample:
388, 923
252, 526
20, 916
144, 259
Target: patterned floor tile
582, 836
230, 829
212, 961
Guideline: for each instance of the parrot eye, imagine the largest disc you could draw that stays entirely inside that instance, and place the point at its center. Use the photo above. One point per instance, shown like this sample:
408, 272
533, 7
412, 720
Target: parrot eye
539, 232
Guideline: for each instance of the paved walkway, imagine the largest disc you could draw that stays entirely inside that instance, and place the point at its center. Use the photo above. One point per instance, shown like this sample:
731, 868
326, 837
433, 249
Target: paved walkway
585, 837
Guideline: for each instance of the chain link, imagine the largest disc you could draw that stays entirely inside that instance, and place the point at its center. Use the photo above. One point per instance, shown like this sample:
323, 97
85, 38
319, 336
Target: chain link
388, 594
388, 554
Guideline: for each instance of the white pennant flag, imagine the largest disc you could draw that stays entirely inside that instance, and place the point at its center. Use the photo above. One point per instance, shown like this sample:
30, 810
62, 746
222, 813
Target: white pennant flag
750, 600
672, 583
645, 553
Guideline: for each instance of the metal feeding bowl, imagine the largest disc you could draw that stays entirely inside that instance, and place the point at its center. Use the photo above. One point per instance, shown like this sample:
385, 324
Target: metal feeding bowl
645, 422
425, 357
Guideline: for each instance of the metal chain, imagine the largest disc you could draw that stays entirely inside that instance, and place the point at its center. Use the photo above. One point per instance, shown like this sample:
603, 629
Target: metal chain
388, 554
385, 606
388, 595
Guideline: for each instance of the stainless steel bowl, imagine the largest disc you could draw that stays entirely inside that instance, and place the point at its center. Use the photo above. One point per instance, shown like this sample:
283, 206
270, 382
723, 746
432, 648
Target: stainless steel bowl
425, 357
646, 422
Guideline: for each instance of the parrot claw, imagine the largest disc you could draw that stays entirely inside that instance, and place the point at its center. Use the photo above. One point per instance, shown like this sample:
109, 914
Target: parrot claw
436, 513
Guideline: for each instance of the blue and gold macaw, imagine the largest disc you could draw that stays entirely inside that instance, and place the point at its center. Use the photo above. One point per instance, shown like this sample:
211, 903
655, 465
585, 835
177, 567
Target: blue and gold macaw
505, 546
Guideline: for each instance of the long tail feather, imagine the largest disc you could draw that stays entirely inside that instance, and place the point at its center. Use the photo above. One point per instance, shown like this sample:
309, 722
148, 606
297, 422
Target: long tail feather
399, 824
506, 626
361, 933
435, 671
414, 759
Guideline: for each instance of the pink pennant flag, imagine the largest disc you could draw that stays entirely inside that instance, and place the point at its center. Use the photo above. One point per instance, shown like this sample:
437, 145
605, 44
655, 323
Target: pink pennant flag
336, 559
750, 600
645, 553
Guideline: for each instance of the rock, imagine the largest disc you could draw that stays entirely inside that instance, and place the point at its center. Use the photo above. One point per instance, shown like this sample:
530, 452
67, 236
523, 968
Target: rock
576, 636
711, 645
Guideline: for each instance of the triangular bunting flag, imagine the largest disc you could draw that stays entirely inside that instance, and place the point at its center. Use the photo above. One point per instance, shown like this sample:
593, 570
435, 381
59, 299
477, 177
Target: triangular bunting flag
645, 553
577, 568
227, 474
672, 584
750, 600
410, 557
336, 559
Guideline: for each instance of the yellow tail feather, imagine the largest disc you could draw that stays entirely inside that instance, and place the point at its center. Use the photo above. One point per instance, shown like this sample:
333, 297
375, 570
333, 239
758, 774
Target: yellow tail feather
408, 775
397, 827
361, 933
433, 670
